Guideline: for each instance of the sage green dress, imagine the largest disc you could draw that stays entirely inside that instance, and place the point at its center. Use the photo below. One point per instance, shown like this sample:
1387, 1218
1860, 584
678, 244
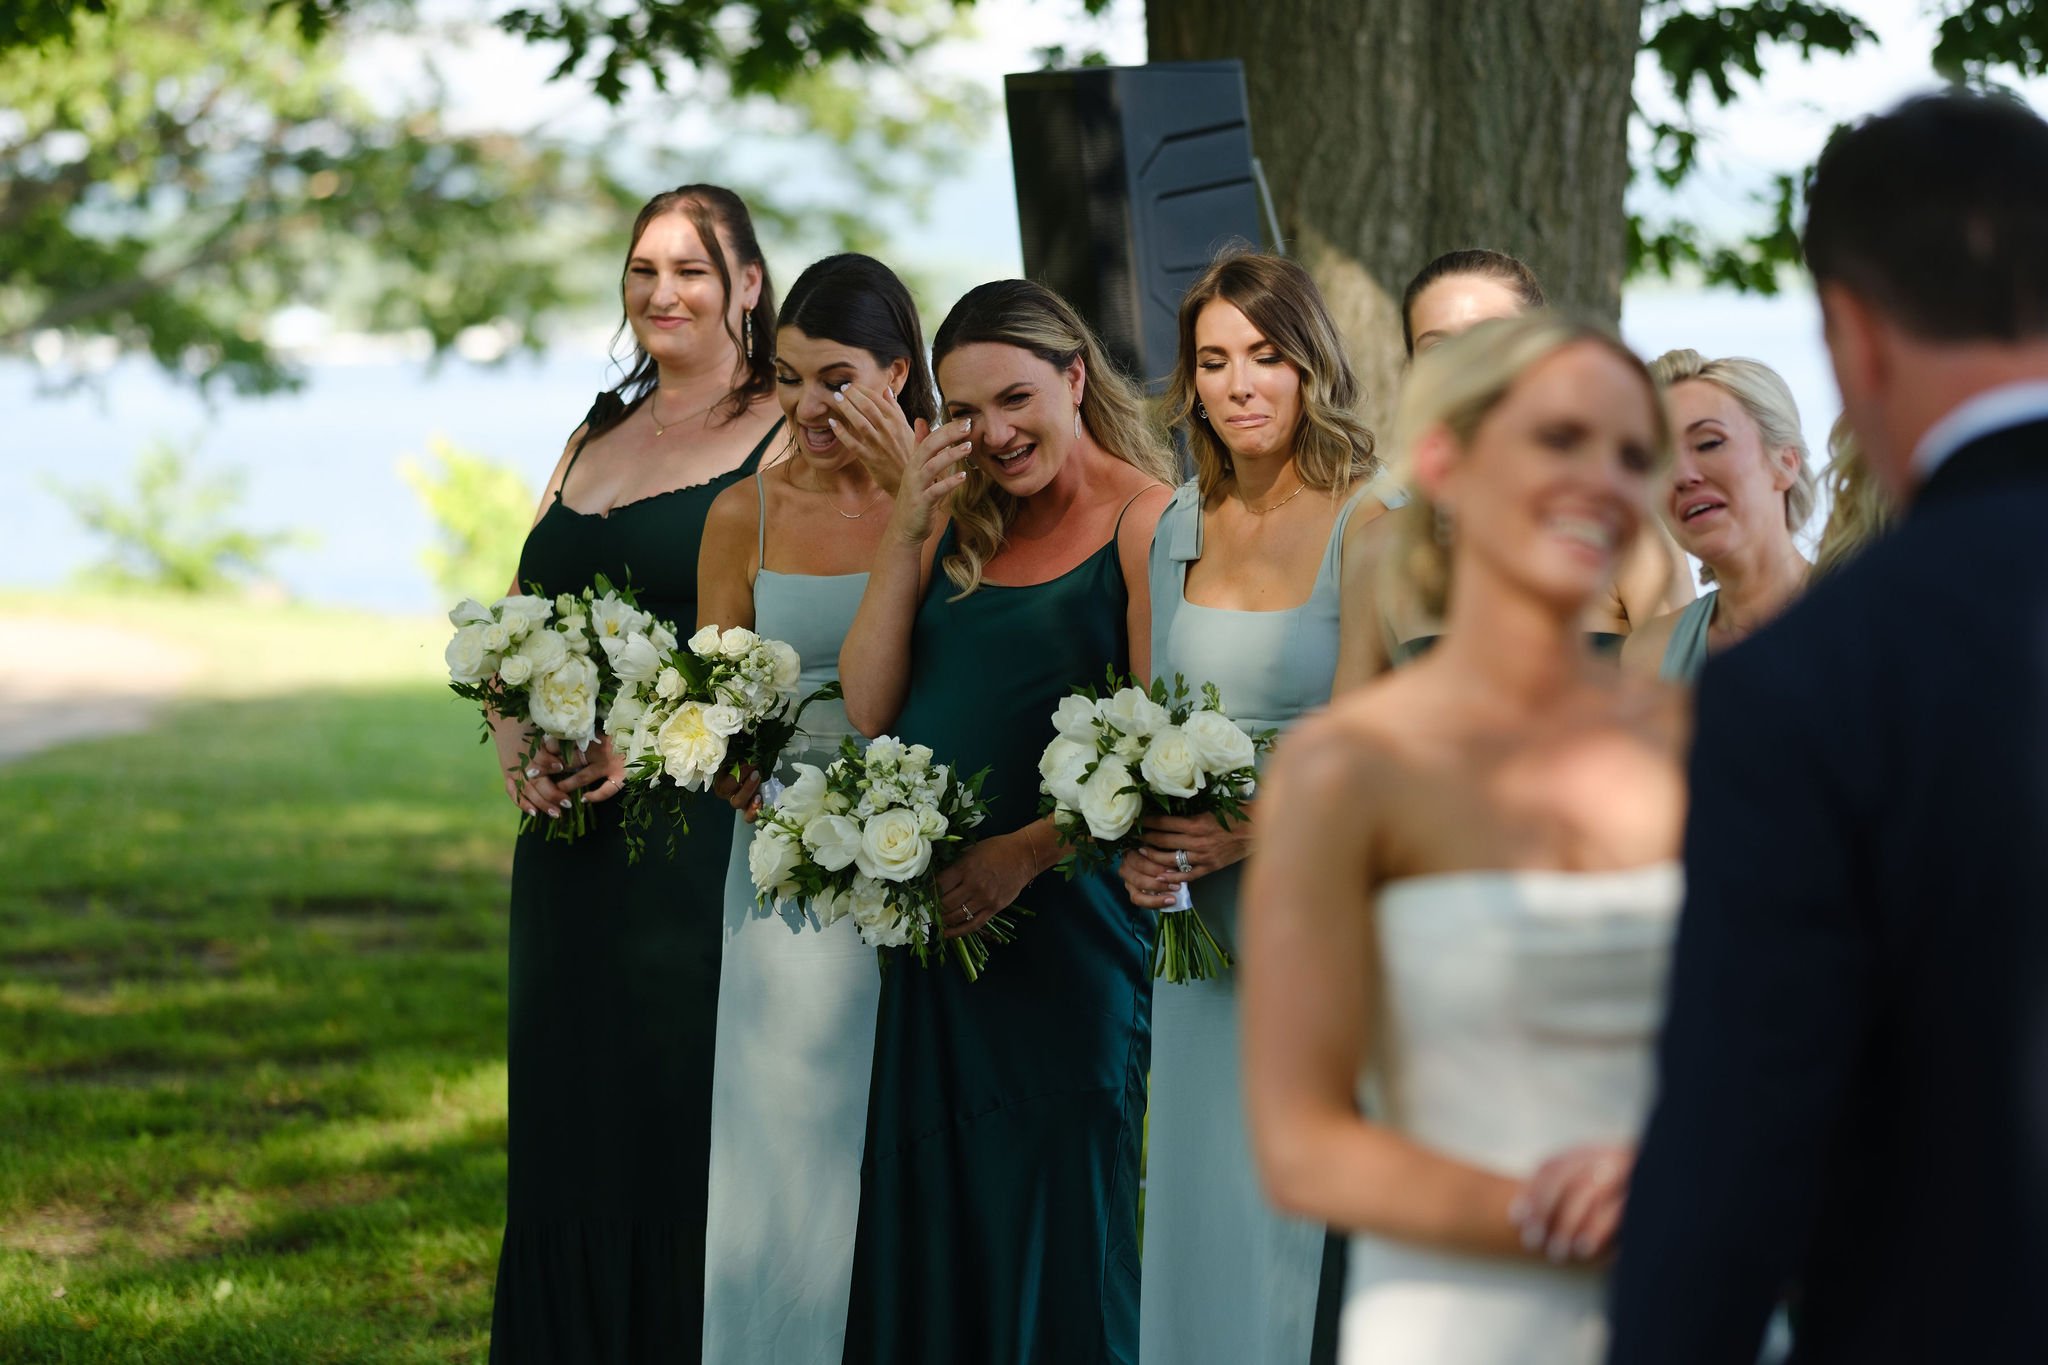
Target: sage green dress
614, 996
1685, 653
1227, 1278
796, 1039
999, 1190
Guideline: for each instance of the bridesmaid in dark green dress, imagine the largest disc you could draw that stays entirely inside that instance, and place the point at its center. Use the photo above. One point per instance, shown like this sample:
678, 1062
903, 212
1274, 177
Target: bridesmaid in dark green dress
999, 1188
614, 978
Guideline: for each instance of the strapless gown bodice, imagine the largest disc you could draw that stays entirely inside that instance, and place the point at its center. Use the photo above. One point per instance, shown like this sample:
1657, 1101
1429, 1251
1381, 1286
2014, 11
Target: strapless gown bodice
1517, 1016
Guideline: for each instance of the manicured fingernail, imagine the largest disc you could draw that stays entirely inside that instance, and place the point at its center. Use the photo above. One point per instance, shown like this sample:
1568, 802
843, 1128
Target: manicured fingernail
533, 772
554, 814
832, 422
565, 808
839, 395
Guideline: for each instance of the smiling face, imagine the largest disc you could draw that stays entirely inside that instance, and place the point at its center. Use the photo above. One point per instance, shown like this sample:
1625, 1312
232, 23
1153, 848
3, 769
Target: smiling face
1727, 491
808, 371
674, 300
1457, 303
1252, 392
1555, 481
1024, 411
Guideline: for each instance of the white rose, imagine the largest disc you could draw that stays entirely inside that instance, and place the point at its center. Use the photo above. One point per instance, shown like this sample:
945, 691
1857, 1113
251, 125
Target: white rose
803, 800
1217, 744
514, 670
771, 859
735, 642
521, 613
1170, 767
564, 702
496, 637
704, 643
917, 759
664, 638
544, 650
690, 752
626, 712
893, 848
567, 604
1060, 768
1109, 809
637, 660
882, 925
469, 612
1075, 719
468, 660
788, 668
834, 841
724, 721
1134, 713
930, 822
668, 684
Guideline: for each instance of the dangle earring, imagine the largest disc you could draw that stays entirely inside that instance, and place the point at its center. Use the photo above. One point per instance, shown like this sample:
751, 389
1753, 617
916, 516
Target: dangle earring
1202, 412
1443, 528
1077, 421
747, 332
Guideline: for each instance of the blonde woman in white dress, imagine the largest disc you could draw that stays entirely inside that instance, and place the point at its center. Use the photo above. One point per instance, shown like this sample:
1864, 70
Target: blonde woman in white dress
1466, 886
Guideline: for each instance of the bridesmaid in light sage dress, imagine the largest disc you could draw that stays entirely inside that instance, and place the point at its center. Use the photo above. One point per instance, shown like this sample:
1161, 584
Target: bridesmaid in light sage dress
1246, 576
787, 556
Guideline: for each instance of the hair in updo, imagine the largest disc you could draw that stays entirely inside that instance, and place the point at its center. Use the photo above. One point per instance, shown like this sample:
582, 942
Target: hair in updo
1031, 317
1456, 386
1764, 395
1481, 261
857, 301
1332, 447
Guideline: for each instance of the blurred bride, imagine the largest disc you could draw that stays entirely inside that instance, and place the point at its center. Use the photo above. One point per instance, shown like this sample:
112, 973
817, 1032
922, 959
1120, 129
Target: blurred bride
1466, 885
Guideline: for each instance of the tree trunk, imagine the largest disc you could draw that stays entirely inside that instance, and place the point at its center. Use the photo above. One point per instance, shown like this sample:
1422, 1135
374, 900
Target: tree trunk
1394, 130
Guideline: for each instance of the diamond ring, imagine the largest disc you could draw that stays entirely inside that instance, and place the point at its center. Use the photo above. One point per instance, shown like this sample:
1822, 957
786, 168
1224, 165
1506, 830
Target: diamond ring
1180, 860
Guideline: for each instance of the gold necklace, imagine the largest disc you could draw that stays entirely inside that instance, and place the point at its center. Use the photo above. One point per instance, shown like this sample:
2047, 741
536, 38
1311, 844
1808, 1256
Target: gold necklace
1271, 506
661, 428
850, 516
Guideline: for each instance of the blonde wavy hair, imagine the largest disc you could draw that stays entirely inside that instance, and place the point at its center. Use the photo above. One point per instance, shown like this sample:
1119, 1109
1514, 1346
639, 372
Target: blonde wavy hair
1769, 403
1859, 511
1030, 317
1456, 386
1332, 446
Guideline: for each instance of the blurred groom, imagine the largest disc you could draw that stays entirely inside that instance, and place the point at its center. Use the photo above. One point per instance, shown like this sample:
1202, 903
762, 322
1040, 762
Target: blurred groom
1853, 1105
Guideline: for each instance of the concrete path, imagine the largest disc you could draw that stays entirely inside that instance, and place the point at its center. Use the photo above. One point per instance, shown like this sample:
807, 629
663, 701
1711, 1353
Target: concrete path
62, 681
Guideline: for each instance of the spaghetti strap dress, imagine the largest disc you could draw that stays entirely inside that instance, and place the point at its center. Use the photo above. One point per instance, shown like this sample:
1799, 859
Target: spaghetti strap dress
999, 1190
1685, 653
613, 1000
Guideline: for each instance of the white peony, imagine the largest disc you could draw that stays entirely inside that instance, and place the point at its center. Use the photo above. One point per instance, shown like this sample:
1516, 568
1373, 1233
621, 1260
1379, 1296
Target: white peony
803, 800
834, 841
1169, 767
544, 651
1217, 743
788, 668
690, 750
468, 660
521, 613
1075, 719
469, 612
704, 643
637, 660
1060, 769
882, 924
1134, 713
1106, 804
734, 643
772, 858
893, 848
515, 670
563, 702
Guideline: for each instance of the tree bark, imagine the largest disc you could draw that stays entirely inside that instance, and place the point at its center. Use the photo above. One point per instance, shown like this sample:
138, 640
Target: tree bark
1394, 130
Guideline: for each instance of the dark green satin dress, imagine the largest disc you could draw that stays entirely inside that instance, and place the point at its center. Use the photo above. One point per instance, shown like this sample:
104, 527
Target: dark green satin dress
999, 1188
614, 1002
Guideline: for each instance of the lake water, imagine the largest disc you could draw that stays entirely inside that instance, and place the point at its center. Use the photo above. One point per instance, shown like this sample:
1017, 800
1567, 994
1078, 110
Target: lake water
325, 460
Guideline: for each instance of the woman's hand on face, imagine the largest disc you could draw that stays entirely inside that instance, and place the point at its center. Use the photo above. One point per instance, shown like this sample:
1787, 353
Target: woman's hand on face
877, 433
742, 793
601, 773
529, 779
928, 480
986, 880
1571, 1208
1151, 871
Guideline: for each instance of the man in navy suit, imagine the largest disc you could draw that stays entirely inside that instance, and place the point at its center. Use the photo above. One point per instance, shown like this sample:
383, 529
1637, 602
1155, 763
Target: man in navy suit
1853, 1105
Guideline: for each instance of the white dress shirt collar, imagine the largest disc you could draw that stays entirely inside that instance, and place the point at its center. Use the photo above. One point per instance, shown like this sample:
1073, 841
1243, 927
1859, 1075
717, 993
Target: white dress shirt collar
2008, 405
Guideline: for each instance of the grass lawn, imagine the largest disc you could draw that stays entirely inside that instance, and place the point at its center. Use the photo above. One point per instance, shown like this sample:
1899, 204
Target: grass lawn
252, 1009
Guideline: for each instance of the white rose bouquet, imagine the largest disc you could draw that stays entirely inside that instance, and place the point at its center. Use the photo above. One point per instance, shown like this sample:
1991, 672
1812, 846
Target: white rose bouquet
722, 701
1138, 750
529, 658
866, 837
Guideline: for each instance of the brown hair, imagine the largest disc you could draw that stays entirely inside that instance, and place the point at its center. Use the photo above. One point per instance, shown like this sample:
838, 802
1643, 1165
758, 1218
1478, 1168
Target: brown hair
1331, 446
1484, 262
713, 210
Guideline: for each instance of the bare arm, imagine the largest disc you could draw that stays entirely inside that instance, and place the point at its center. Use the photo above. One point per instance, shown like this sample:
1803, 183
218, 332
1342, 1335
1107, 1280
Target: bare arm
726, 559
1308, 949
1134, 556
874, 660
1361, 632
1655, 579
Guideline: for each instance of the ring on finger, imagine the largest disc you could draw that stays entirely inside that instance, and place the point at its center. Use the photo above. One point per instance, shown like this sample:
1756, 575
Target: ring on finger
1180, 861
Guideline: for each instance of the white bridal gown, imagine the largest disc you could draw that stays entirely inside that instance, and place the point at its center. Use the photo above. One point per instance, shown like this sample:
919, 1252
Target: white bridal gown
1519, 1012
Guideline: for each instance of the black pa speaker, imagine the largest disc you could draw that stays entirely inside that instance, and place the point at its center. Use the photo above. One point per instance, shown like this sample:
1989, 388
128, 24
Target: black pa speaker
1128, 181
